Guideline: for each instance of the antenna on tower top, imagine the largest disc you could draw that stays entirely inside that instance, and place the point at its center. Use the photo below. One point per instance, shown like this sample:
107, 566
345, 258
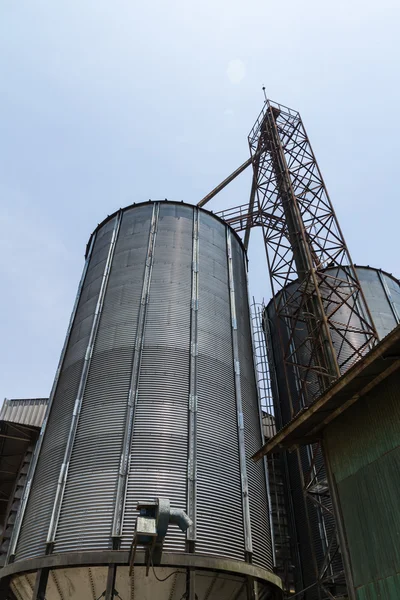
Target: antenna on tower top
265, 95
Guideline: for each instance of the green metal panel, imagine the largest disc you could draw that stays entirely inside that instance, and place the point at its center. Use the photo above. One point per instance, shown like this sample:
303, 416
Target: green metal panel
384, 588
366, 430
370, 502
363, 446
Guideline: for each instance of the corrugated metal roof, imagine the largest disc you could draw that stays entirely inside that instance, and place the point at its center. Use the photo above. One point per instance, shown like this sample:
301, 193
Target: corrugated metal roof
27, 411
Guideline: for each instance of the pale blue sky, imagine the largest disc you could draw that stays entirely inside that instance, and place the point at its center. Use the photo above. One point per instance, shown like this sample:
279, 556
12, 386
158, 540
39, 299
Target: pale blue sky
105, 103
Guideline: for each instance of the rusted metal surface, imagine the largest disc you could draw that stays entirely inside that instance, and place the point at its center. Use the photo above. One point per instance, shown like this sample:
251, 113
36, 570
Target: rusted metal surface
328, 324
225, 182
378, 364
302, 238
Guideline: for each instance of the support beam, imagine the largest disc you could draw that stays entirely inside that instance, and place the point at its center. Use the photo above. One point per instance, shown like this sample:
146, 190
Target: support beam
110, 587
191, 584
253, 192
5, 589
251, 207
225, 182
39, 591
14, 437
286, 437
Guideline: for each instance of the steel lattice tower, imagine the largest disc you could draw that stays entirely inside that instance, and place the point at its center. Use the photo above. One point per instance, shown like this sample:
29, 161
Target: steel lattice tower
326, 316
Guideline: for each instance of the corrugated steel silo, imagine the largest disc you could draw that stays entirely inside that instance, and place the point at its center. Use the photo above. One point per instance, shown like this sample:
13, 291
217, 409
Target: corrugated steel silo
155, 396
382, 294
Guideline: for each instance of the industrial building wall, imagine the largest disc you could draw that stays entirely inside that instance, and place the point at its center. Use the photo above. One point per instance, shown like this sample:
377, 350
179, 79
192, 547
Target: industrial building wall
363, 450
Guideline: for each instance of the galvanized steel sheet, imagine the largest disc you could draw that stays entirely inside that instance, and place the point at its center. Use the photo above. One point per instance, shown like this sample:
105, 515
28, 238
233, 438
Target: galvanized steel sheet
157, 397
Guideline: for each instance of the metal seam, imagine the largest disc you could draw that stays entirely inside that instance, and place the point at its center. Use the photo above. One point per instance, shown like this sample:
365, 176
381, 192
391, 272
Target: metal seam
92, 584
38, 446
192, 419
238, 393
134, 382
389, 296
57, 583
81, 390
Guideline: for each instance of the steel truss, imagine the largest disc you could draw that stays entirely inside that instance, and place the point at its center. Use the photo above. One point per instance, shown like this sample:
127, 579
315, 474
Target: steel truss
323, 310
304, 244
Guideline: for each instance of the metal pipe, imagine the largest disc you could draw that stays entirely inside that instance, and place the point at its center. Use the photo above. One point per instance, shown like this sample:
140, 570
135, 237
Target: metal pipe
225, 182
177, 516
192, 433
253, 192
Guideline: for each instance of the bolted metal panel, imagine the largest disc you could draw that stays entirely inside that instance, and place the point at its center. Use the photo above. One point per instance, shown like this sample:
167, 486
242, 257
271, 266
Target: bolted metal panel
393, 293
134, 377
257, 488
219, 499
382, 293
87, 363
97, 450
158, 465
34, 528
162, 364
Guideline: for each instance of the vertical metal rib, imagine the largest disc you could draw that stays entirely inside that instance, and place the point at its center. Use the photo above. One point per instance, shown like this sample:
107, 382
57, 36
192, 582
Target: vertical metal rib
32, 468
238, 392
81, 390
133, 387
192, 446
388, 296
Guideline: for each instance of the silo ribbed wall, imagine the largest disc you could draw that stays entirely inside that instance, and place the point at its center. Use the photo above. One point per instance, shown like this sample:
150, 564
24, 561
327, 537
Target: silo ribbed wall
35, 525
151, 343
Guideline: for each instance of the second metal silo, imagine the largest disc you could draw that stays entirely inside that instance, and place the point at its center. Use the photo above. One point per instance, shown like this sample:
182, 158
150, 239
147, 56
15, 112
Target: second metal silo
155, 396
382, 294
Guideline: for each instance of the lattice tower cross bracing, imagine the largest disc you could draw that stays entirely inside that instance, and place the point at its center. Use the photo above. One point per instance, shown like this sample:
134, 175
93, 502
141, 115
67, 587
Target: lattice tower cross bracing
302, 239
326, 316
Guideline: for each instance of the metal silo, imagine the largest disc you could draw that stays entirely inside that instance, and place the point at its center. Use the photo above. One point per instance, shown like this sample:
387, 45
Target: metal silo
311, 534
382, 294
154, 396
